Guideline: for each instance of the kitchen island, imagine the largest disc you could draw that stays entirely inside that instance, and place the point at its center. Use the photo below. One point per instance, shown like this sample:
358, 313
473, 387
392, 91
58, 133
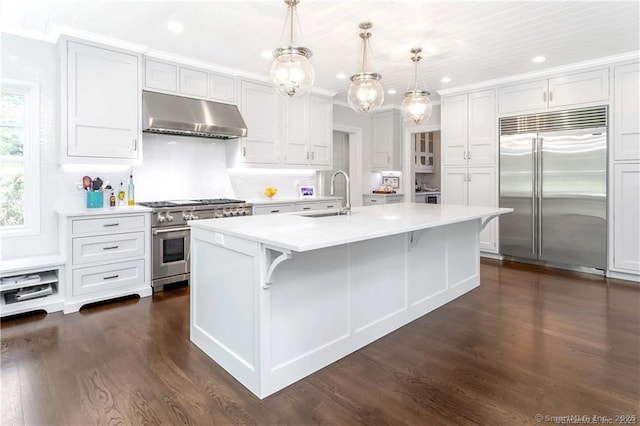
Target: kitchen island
275, 298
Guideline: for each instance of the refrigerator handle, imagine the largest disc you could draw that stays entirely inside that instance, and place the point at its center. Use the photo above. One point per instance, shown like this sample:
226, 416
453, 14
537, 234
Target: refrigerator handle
540, 194
534, 187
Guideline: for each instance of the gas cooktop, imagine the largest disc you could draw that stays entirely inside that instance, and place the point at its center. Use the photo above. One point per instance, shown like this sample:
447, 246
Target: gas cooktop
179, 203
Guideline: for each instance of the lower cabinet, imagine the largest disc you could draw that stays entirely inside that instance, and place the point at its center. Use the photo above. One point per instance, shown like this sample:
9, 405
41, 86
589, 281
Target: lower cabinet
297, 206
473, 186
107, 256
626, 225
372, 200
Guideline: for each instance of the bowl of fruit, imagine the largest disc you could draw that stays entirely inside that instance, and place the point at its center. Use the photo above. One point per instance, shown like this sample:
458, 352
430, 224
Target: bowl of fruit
270, 192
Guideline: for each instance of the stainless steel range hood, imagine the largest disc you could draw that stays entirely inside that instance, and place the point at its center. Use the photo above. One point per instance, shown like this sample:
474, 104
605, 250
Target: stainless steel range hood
178, 115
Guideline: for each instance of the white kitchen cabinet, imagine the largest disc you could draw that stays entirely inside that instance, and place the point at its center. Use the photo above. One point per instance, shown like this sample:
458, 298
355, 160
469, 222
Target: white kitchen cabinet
387, 141
31, 284
469, 129
261, 109
473, 186
307, 131
626, 222
101, 104
626, 112
178, 79
321, 131
107, 256
273, 208
423, 144
192, 82
160, 76
373, 199
304, 206
573, 89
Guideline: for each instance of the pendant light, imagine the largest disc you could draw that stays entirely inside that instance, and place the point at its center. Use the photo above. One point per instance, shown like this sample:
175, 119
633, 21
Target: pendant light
365, 91
416, 105
291, 72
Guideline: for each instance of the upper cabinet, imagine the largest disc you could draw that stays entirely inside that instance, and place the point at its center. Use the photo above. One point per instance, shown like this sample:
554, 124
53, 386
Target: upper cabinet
424, 144
101, 104
178, 79
387, 141
469, 129
573, 89
626, 111
283, 132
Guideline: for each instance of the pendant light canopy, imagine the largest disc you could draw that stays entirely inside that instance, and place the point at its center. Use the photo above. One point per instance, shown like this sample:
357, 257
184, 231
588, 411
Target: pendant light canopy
291, 72
365, 91
416, 105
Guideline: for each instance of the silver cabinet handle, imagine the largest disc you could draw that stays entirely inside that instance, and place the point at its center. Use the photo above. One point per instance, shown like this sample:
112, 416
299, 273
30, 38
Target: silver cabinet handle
550, 96
330, 207
468, 155
110, 248
135, 144
306, 208
373, 200
112, 277
307, 155
544, 96
464, 154
534, 190
388, 160
274, 211
107, 225
540, 192
313, 155
469, 180
244, 151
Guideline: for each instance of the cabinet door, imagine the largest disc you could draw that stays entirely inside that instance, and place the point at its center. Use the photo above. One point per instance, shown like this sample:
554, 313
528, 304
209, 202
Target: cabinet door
192, 82
260, 108
273, 208
482, 140
221, 88
103, 102
626, 234
382, 140
321, 130
160, 76
579, 88
296, 131
626, 112
454, 185
454, 131
482, 191
523, 97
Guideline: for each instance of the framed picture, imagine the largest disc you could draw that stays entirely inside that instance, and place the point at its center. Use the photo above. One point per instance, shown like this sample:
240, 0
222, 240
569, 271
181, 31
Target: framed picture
392, 181
307, 191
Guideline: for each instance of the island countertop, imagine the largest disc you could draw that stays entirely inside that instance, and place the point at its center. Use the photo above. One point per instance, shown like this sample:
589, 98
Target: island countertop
299, 232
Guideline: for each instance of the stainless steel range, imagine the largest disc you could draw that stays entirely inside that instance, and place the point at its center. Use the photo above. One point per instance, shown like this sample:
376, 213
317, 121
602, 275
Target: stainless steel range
170, 246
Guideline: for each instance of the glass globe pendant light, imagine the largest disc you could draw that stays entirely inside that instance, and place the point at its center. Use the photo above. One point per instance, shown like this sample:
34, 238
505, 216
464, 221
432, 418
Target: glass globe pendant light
416, 105
291, 71
365, 91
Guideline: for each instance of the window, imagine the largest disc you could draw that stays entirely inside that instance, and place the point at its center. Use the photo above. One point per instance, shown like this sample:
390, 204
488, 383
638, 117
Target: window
19, 159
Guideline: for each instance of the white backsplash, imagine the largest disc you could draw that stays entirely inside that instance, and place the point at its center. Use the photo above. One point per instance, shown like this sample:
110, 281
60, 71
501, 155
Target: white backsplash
251, 183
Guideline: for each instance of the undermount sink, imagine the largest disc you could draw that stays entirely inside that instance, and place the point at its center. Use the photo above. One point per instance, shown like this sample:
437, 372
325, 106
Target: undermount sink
324, 214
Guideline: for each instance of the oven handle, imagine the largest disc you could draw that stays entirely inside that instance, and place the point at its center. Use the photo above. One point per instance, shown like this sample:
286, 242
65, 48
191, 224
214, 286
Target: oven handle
164, 231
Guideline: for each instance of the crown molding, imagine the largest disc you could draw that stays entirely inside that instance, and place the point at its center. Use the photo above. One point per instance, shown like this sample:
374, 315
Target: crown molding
576, 66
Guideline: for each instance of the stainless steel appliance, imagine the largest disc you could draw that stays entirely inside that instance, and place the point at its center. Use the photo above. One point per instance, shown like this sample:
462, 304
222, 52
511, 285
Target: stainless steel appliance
432, 198
191, 117
170, 250
553, 173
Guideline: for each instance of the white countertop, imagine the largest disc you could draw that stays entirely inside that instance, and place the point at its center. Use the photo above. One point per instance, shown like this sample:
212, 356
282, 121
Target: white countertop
288, 200
293, 231
103, 211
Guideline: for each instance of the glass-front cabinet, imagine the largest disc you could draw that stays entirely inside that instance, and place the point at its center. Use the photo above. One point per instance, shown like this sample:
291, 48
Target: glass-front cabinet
423, 151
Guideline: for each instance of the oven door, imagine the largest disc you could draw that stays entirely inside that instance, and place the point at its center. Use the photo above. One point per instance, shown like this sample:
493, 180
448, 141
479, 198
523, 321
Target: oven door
171, 252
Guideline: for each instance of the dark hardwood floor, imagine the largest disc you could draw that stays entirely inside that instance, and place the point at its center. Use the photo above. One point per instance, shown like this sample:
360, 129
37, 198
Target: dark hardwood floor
528, 341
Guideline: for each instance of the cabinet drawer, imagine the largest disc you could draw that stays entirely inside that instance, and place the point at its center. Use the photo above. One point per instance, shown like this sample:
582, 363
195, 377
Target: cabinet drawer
106, 248
318, 205
107, 277
271, 209
108, 224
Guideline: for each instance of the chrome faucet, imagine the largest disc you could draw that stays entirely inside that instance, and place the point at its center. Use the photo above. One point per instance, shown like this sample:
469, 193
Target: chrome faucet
347, 208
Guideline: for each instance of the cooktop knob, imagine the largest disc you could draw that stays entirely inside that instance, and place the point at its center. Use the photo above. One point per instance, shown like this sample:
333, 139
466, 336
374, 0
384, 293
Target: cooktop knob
161, 218
169, 218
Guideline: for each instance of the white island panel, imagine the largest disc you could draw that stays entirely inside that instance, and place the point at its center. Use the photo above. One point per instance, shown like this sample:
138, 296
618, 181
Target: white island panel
271, 315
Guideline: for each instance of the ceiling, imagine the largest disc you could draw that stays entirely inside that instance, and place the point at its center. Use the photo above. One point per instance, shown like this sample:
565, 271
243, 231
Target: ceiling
467, 41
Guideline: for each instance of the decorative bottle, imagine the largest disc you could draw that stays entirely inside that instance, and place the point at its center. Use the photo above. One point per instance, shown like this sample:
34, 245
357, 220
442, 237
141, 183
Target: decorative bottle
131, 192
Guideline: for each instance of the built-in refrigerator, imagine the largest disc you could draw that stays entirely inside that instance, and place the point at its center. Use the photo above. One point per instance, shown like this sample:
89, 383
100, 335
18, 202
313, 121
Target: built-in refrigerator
553, 173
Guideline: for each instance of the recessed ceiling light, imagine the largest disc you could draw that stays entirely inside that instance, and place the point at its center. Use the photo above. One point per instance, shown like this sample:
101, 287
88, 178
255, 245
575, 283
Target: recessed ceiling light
391, 91
445, 79
539, 59
266, 54
175, 27
341, 75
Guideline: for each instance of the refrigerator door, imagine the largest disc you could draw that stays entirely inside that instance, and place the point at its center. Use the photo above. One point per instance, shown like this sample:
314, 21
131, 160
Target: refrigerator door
573, 186
517, 179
